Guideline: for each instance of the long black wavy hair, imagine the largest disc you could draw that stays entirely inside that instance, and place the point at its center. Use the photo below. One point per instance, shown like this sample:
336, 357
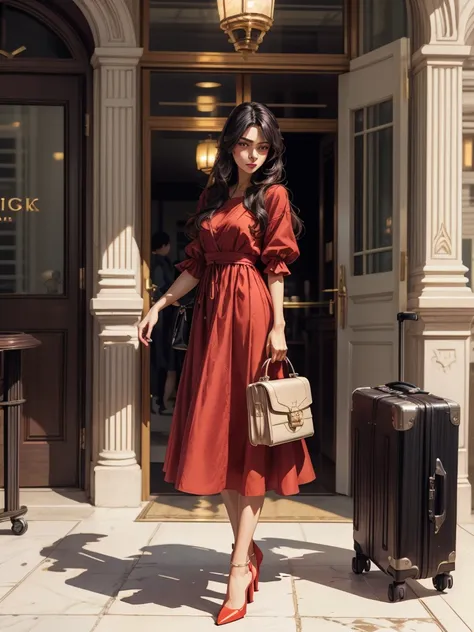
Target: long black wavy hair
224, 174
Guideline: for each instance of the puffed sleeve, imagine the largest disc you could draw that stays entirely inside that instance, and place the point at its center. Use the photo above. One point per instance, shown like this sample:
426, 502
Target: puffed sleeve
279, 243
195, 262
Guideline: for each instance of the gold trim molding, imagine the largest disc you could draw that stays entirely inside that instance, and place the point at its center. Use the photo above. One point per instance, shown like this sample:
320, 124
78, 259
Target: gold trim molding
233, 61
196, 124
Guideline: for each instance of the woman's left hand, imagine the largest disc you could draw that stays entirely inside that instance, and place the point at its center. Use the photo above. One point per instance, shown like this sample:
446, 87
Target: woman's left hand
276, 344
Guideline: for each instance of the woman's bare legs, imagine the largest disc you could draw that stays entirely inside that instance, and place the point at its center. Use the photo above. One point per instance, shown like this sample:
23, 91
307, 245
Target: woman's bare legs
231, 502
249, 511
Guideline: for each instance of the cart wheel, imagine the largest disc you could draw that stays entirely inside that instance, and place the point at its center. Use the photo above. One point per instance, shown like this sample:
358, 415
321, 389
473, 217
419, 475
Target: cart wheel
396, 592
443, 581
19, 526
360, 564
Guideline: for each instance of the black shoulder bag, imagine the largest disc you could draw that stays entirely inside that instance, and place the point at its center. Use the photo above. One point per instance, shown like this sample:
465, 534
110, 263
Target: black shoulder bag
182, 327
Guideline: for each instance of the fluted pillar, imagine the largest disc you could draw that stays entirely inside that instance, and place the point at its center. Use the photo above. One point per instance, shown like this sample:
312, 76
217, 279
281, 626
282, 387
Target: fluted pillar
438, 356
117, 303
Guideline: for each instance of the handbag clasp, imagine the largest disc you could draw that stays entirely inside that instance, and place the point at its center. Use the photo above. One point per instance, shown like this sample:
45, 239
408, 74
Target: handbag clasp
295, 419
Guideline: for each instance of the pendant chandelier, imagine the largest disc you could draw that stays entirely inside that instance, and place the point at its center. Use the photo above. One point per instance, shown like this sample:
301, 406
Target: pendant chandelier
206, 153
246, 22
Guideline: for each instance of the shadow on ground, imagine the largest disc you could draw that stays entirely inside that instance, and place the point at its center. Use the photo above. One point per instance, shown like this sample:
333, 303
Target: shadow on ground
178, 575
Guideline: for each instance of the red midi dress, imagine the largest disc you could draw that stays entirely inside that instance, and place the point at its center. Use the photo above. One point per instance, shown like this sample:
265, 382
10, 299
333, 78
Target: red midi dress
208, 449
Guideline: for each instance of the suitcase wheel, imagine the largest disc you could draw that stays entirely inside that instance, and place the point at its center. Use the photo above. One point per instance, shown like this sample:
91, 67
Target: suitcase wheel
19, 526
396, 592
443, 581
360, 564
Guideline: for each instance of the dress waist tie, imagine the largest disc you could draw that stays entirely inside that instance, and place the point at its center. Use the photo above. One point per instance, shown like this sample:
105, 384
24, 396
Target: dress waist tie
226, 258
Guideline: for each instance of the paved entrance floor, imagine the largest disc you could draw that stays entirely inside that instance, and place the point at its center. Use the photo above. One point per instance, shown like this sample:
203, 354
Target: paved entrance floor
79, 570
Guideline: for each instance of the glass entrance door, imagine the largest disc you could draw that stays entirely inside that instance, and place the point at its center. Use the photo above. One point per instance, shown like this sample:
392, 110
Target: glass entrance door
184, 113
40, 232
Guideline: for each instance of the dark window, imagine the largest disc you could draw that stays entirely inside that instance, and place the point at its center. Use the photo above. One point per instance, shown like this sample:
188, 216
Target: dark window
297, 96
192, 94
306, 26
18, 29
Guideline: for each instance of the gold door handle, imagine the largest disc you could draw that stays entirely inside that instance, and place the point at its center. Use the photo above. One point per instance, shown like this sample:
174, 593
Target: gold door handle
341, 297
303, 304
150, 287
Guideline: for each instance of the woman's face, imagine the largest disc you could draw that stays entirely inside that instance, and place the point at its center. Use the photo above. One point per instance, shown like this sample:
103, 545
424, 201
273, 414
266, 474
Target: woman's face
251, 151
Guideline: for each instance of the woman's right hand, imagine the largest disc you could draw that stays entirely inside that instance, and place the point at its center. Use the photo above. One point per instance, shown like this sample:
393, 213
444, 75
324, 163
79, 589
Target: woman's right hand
146, 326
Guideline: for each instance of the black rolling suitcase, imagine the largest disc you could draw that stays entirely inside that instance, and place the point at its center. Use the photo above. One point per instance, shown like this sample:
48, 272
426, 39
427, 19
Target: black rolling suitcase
404, 476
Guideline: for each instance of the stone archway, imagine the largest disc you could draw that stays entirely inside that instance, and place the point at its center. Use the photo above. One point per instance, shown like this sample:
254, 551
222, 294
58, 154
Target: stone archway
110, 21
116, 302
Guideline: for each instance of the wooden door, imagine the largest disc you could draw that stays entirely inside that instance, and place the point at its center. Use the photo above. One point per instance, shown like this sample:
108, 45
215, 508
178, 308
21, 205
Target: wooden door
40, 261
372, 226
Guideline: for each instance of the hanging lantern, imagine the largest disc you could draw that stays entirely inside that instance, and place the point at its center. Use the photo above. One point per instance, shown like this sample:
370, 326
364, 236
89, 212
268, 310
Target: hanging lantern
206, 103
206, 153
246, 22
468, 152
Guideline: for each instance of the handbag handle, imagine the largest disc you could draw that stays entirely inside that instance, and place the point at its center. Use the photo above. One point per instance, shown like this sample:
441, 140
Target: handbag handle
266, 364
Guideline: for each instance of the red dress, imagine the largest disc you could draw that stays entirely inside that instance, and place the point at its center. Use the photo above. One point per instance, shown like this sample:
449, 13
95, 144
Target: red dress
208, 448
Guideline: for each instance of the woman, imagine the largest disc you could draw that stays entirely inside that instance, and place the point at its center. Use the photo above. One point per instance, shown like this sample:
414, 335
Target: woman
243, 216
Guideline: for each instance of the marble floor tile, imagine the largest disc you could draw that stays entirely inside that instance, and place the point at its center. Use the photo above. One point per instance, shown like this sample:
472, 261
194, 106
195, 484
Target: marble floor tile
40, 528
336, 592
29, 623
460, 598
195, 590
325, 545
20, 555
469, 528
63, 589
110, 542
275, 596
114, 623
217, 536
365, 624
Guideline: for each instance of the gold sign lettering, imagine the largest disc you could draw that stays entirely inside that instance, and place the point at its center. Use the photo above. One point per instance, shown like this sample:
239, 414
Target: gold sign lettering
16, 205
31, 205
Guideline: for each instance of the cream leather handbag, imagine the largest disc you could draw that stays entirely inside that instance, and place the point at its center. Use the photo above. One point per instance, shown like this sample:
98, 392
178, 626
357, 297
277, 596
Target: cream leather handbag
279, 411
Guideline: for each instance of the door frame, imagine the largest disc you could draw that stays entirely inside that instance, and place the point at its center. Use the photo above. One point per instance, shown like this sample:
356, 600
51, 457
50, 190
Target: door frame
70, 25
190, 124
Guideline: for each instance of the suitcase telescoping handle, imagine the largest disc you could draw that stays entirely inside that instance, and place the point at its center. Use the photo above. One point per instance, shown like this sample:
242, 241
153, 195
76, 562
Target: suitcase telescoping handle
402, 317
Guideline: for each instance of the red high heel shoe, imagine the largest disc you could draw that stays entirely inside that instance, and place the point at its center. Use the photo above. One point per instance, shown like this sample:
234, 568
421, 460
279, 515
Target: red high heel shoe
258, 555
229, 615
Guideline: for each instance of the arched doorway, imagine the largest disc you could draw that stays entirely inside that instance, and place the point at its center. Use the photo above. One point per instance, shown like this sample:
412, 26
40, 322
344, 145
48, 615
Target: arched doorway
44, 94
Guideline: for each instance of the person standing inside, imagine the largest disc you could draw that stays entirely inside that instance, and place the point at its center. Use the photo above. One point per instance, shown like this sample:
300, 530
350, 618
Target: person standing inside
243, 216
163, 356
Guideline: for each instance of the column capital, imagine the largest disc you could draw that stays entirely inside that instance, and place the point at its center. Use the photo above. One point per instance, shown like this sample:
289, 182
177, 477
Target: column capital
440, 55
124, 56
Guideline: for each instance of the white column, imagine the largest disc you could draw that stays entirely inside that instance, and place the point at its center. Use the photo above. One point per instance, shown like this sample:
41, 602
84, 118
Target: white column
117, 304
438, 356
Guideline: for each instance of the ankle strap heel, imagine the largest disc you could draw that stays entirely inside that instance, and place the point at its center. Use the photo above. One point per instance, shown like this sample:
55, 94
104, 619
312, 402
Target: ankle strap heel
240, 565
